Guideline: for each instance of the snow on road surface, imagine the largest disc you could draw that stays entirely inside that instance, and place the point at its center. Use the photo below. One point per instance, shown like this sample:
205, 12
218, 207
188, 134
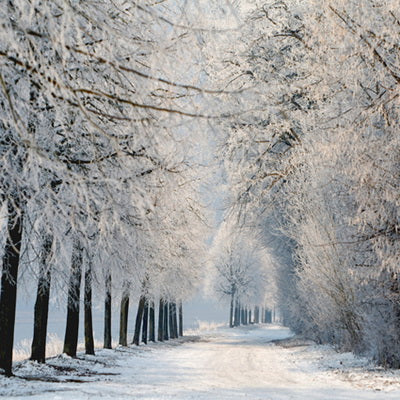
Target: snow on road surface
231, 364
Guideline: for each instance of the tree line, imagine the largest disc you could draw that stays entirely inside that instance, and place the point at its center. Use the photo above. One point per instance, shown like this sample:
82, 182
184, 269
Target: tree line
102, 165
100, 177
313, 167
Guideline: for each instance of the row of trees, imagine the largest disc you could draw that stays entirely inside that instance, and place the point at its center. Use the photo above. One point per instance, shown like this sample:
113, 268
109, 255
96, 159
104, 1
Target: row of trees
100, 162
240, 273
314, 164
246, 316
99, 174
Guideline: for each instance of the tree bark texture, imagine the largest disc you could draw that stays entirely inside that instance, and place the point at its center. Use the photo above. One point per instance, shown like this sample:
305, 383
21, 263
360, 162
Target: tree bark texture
72, 327
139, 318
175, 319
180, 319
123, 321
161, 321
88, 320
152, 322
231, 309
8, 296
145, 322
166, 320
237, 314
38, 349
171, 321
107, 313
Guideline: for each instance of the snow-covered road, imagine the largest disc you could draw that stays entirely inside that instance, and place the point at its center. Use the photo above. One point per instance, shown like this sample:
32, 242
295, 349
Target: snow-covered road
227, 364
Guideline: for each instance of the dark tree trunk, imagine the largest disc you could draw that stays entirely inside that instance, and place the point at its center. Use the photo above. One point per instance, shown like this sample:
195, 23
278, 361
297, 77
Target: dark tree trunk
246, 316
107, 313
231, 308
268, 316
262, 315
152, 323
166, 320
72, 327
38, 349
174, 320
171, 321
8, 296
88, 322
250, 321
145, 322
139, 318
237, 314
256, 315
123, 321
175, 309
180, 319
161, 321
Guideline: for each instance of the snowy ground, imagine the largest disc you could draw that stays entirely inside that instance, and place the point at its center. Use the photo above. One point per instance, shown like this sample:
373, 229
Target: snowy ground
222, 364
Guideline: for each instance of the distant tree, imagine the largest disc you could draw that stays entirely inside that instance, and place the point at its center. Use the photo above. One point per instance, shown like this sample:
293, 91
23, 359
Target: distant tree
238, 270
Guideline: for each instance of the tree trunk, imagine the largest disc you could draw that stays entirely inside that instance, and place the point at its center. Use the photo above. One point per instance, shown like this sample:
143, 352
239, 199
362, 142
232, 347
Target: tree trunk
152, 323
180, 319
175, 318
123, 321
88, 322
250, 321
139, 317
174, 327
268, 316
166, 320
237, 314
38, 349
107, 313
171, 321
161, 321
72, 327
145, 322
231, 310
8, 296
256, 315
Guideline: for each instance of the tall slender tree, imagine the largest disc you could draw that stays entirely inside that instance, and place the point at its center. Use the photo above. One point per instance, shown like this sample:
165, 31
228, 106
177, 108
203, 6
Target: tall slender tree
8, 295
88, 319
74, 288
41, 312
139, 320
160, 334
124, 309
108, 312
152, 324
